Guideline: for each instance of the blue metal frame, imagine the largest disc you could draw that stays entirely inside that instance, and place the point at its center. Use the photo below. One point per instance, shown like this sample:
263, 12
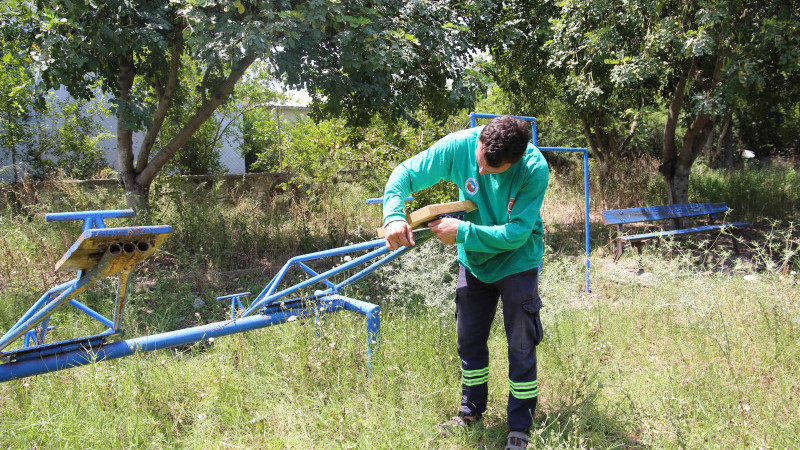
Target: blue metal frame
585, 151
269, 307
119, 259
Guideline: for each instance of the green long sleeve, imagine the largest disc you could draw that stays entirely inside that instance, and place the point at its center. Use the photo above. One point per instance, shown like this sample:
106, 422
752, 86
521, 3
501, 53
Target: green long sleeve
504, 235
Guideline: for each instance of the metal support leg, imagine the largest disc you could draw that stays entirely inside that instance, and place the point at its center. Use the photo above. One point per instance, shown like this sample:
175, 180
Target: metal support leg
119, 303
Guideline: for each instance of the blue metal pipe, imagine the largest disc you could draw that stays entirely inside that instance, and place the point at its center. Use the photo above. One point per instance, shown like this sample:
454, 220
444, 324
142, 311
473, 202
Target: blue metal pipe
31, 338
355, 262
39, 316
67, 294
39, 303
273, 284
373, 315
82, 215
492, 116
92, 313
419, 236
35, 366
312, 272
379, 200
44, 327
586, 203
91, 219
235, 302
564, 149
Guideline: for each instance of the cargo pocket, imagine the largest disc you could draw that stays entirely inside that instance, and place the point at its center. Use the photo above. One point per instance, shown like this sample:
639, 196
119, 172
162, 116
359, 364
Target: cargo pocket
535, 330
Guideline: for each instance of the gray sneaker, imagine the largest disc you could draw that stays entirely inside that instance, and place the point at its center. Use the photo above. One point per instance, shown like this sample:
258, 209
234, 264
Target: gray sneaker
517, 440
458, 424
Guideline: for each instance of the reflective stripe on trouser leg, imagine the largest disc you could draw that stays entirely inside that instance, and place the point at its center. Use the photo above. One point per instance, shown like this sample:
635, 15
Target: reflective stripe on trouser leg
521, 304
524, 391
474, 391
474, 377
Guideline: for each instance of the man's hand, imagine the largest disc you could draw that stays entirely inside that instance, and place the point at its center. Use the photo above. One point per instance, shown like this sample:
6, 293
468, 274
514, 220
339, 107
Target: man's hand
445, 229
398, 234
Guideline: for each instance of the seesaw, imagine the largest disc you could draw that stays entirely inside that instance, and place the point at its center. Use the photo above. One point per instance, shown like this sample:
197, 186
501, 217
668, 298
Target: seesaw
101, 252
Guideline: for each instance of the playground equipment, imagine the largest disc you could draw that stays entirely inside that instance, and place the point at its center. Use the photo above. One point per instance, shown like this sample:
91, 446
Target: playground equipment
102, 252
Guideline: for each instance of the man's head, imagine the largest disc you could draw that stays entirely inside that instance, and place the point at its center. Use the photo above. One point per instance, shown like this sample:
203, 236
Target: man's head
501, 144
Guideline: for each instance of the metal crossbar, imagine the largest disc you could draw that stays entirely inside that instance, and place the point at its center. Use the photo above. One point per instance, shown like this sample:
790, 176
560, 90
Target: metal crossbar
700, 229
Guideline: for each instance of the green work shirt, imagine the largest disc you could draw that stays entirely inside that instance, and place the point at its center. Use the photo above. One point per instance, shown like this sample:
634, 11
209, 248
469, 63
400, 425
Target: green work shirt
504, 235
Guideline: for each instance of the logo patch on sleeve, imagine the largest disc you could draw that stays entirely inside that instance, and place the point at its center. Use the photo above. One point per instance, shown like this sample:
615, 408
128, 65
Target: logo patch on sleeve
510, 205
471, 186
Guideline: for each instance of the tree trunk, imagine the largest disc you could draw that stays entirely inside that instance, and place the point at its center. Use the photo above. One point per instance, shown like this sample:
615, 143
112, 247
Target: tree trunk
723, 143
136, 177
203, 112
14, 162
600, 144
678, 185
125, 161
138, 198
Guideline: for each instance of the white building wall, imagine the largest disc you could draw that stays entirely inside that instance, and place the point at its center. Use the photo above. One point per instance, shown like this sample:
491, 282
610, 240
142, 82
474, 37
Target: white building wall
230, 156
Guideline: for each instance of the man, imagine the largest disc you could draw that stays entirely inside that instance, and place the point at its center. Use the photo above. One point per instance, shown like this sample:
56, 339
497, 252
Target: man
499, 250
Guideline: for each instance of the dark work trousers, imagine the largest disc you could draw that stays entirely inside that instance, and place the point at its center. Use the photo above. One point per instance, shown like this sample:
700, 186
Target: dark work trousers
476, 303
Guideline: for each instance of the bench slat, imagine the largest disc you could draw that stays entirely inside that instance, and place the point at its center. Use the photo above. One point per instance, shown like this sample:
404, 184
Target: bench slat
642, 236
631, 215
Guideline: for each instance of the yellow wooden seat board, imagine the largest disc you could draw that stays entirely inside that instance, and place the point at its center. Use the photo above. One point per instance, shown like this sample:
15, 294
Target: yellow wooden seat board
86, 252
432, 212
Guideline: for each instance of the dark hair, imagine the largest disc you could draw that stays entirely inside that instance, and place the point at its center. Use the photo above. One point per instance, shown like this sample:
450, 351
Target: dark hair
504, 140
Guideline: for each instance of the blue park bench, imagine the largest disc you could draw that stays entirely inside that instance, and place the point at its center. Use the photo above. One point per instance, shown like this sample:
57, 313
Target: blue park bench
620, 217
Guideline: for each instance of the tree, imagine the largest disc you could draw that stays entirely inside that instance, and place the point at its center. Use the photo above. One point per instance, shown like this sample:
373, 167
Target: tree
515, 33
717, 54
613, 59
590, 40
560, 56
16, 102
356, 58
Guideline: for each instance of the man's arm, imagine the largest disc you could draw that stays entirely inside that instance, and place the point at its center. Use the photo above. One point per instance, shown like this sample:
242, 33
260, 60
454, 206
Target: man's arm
422, 170
398, 234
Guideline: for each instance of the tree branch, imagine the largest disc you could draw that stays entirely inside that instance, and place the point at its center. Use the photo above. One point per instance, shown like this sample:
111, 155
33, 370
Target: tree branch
703, 124
589, 135
621, 147
164, 101
203, 112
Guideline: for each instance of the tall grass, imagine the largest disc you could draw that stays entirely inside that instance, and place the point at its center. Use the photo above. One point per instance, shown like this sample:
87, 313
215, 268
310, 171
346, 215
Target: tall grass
678, 348
680, 358
756, 191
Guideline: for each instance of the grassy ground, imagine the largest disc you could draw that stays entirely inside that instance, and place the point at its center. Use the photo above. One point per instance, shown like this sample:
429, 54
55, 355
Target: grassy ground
683, 347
